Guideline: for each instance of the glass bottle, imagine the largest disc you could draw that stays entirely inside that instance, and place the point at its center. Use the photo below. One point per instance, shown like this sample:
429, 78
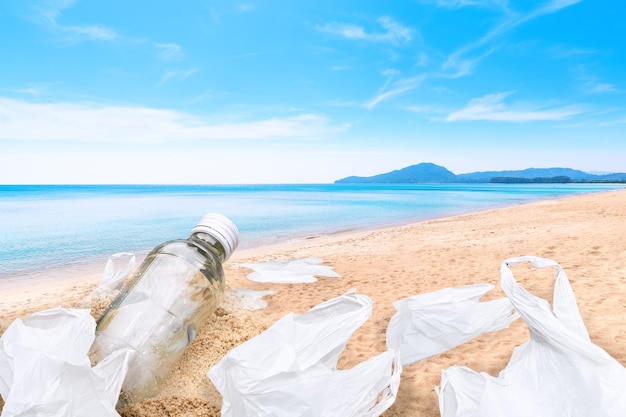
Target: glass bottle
163, 305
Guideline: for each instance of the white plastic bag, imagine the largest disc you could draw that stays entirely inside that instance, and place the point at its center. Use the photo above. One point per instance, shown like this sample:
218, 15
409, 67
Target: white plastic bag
45, 370
290, 369
428, 324
118, 267
290, 272
559, 372
245, 299
114, 275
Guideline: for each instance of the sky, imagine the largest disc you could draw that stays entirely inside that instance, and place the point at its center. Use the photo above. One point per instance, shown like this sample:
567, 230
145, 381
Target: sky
227, 92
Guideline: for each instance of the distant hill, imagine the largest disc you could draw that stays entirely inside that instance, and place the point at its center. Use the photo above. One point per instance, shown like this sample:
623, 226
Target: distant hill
527, 173
424, 172
427, 172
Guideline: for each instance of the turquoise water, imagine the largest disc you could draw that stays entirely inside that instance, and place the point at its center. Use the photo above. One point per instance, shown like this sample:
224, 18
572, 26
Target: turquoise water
48, 227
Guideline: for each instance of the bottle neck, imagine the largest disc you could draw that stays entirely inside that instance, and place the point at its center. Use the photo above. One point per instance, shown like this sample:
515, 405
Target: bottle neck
220, 229
210, 241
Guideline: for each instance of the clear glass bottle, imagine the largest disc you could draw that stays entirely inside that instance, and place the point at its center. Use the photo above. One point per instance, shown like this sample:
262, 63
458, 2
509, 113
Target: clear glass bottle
163, 305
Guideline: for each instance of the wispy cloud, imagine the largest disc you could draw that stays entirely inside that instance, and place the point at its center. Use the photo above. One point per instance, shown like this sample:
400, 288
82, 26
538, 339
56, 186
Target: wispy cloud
340, 67
422, 60
244, 8
591, 84
492, 108
462, 61
89, 32
394, 88
393, 32
169, 51
49, 14
455, 4
434, 112
600, 87
84, 122
608, 123
34, 90
179, 75
566, 52
553, 6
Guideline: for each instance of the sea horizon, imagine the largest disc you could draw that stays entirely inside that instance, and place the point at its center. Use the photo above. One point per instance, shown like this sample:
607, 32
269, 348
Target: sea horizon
57, 229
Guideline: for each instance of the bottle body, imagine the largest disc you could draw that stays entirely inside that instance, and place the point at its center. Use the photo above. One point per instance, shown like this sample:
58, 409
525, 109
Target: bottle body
159, 311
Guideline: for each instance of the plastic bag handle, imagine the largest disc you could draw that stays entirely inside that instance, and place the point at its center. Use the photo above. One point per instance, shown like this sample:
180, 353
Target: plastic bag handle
388, 394
564, 305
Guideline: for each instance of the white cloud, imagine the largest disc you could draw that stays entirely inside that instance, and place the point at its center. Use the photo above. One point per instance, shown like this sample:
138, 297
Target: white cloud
422, 60
433, 111
26, 121
394, 31
51, 9
565, 52
462, 61
89, 32
169, 51
454, 4
179, 75
49, 13
340, 67
243, 8
606, 123
390, 72
33, 90
600, 87
395, 88
593, 85
461, 64
347, 31
553, 6
492, 108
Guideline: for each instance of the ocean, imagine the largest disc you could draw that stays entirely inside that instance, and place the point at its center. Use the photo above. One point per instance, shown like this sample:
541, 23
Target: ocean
45, 228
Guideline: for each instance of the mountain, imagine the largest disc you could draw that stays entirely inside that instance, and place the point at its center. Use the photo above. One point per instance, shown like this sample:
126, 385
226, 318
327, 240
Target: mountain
486, 176
424, 172
427, 172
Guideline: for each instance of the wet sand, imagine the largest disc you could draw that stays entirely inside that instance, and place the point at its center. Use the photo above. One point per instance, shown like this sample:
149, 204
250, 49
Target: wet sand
585, 234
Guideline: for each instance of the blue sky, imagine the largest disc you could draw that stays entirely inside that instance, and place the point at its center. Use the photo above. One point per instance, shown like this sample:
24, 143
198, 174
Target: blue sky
306, 91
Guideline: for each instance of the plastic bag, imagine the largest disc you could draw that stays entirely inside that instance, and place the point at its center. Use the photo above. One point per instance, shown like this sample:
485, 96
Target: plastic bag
428, 324
559, 372
289, 272
290, 369
245, 299
113, 277
45, 370
118, 267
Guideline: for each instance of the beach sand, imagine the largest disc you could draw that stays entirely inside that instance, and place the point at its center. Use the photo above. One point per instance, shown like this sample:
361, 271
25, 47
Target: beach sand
585, 234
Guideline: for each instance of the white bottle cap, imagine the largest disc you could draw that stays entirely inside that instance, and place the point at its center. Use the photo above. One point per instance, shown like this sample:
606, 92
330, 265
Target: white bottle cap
222, 229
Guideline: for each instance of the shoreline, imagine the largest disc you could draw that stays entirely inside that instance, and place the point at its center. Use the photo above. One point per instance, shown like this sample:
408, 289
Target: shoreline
583, 233
91, 271
91, 264
95, 266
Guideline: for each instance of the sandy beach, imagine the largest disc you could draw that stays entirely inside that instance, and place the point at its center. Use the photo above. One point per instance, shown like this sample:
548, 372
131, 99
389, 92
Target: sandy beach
585, 234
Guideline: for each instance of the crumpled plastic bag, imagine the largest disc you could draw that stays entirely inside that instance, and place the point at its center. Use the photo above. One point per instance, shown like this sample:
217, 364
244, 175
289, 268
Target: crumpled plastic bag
118, 267
45, 370
245, 299
428, 324
559, 372
289, 272
290, 369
